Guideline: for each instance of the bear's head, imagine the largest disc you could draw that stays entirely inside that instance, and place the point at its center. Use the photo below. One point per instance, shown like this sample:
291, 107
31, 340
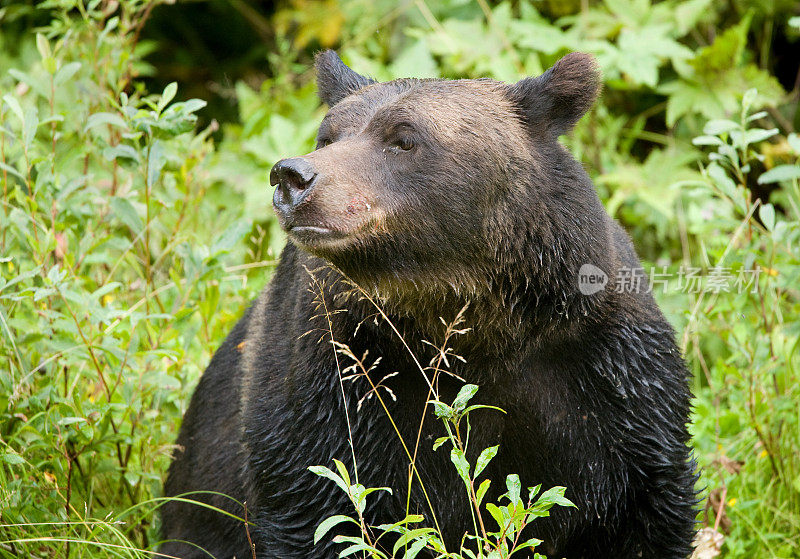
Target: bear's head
443, 182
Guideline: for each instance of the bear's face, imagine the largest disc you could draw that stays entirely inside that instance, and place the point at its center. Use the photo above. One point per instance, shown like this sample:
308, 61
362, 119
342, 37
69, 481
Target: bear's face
414, 175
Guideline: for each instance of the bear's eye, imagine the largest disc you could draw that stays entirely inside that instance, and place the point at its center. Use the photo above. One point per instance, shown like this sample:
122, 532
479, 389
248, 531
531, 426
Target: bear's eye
322, 142
403, 144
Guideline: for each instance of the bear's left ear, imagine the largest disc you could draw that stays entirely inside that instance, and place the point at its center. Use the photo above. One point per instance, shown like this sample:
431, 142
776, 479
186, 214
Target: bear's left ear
556, 100
335, 80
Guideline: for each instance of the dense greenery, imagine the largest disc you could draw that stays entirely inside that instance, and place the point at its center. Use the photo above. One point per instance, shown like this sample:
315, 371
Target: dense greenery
130, 240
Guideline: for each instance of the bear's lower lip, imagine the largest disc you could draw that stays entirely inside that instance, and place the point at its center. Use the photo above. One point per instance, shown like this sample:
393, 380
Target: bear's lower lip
314, 234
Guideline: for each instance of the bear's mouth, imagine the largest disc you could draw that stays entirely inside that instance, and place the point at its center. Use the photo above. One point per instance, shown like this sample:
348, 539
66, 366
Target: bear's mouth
315, 235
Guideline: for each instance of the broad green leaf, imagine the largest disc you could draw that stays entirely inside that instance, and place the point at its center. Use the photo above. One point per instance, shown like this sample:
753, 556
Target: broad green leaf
707, 141
767, 214
342, 471
780, 173
481, 492
794, 142
414, 549
120, 150
326, 525
439, 442
720, 126
529, 544
30, 126
232, 235
156, 160
127, 214
409, 536
10, 458
112, 119
13, 104
485, 457
461, 464
464, 395
441, 409
514, 487
497, 514
43, 46
554, 496
167, 96
322, 471
66, 72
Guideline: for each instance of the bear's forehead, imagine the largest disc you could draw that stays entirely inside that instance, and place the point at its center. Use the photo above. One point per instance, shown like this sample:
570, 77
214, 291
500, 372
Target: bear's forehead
429, 99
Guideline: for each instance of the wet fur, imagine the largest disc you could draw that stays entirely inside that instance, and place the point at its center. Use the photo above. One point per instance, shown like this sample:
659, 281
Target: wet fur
494, 215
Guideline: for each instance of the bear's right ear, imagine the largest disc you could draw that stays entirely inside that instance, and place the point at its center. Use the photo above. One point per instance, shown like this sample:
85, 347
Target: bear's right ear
556, 100
335, 80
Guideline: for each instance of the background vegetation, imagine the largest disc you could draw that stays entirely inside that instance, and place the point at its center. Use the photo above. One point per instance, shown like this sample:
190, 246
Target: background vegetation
136, 224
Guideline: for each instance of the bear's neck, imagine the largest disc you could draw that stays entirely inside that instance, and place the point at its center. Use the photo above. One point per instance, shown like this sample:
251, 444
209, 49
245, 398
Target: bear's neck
529, 301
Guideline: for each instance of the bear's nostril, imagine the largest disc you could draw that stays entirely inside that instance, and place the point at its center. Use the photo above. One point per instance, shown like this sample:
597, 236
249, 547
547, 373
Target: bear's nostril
294, 178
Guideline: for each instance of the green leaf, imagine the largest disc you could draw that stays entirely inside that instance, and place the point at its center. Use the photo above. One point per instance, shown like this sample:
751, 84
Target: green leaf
529, 544
464, 395
439, 442
409, 536
167, 96
66, 72
120, 150
326, 525
232, 235
10, 458
415, 548
322, 471
363, 546
514, 487
756, 135
441, 410
13, 104
484, 459
794, 142
30, 126
127, 214
767, 215
707, 141
554, 496
780, 173
155, 163
43, 46
725, 52
112, 119
497, 514
12, 170
342, 471
191, 105
461, 464
718, 127
481, 492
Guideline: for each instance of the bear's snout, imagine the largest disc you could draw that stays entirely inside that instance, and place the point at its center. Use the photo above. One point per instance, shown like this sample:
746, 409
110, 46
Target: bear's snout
293, 178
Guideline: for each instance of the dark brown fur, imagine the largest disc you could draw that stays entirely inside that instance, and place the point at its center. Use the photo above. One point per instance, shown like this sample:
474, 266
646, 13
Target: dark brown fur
432, 196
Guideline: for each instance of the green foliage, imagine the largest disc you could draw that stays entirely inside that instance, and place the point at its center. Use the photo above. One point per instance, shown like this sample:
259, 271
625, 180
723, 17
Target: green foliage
745, 343
130, 243
113, 243
511, 518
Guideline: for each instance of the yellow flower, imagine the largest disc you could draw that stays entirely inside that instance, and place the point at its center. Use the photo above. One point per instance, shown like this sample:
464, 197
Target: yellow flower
108, 299
762, 454
10, 266
732, 502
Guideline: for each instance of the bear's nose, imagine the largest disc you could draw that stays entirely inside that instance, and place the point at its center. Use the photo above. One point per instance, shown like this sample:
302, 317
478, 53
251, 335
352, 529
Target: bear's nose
294, 179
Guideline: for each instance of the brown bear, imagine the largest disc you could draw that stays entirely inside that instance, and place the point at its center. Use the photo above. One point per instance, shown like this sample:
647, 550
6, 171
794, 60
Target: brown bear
423, 198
